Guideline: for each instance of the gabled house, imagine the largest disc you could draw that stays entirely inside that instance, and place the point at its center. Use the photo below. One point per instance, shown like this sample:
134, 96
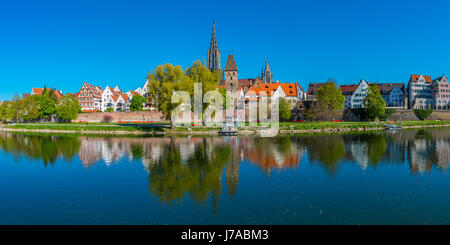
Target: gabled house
393, 94
115, 99
90, 97
419, 91
441, 93
354, 94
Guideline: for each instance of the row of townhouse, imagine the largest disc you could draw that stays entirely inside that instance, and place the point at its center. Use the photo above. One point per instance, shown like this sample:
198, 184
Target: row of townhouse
291, 92
392, 93
422, 92
94, 98
425, 93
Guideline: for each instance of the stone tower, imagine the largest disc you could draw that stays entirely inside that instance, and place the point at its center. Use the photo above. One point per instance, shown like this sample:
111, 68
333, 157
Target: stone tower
231, 74
213, 52
267, 76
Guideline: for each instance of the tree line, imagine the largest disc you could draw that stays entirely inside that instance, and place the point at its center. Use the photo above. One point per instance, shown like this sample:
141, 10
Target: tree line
43, 107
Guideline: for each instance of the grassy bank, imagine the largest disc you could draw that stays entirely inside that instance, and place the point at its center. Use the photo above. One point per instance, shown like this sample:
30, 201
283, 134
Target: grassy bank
114, 128
81, 128
354, 125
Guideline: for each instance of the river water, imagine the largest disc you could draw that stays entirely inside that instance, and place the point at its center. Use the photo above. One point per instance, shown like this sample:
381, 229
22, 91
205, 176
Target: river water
384, 177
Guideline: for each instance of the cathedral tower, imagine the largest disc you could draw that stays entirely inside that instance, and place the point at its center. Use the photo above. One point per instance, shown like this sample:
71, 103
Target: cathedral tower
267, 76
213, 52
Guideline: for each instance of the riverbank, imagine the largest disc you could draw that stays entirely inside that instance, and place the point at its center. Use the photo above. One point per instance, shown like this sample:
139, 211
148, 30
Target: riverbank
164, 129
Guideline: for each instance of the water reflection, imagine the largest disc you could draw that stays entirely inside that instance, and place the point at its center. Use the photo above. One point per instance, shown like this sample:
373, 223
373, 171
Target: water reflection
194, 166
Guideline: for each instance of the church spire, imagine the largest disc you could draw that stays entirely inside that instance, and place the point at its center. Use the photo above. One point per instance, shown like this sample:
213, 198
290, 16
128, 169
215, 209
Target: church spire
267, 75
267, 68
213, 52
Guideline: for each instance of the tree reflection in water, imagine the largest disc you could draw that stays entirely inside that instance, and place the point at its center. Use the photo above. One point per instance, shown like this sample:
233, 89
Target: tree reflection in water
180, 167
46, 148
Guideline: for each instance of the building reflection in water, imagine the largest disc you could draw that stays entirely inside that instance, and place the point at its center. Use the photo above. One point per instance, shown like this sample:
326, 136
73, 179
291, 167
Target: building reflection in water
195, 166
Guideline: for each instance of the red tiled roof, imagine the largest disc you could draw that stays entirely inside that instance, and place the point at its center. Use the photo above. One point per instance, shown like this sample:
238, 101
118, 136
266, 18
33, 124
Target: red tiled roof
92, 91
415, 78
348, 88
133, 92
58, 94
39, 91
290, 89
269, 88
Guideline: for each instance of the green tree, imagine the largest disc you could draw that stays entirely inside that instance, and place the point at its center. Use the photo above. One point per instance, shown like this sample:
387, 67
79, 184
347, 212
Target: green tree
163, 82
68, 108
137, 103
46, 105
330, 96
423, 114
109, 109
284, 110
199, 73
27, 109
166, 79
374, 104
7, 111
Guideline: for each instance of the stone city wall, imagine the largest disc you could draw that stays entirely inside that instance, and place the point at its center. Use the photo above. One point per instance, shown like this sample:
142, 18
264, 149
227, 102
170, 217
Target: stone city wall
137, 116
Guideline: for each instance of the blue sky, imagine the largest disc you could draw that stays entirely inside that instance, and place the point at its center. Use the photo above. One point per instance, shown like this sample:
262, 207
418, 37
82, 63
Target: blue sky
65, 43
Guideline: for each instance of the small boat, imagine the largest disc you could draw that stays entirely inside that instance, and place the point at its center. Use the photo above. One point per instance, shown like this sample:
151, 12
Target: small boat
228, 131
392, 126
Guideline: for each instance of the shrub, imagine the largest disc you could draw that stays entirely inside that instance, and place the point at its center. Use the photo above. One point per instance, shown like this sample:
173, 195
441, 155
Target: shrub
109, 109
387, 114
107, 118
423, 114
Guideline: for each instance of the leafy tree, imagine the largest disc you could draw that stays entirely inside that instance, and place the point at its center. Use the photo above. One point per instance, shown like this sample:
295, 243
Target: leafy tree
284, 110
27, 109
68, 108
329, 99
423, 114
137, 103
199, 73
46, 105
330, 96
166, 79
387, 114
7, 111
374, 104
163, 82
109, 109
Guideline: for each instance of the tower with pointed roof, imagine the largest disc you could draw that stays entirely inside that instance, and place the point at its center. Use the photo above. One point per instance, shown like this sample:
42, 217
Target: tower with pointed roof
230, 74
266, 75
213, 52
